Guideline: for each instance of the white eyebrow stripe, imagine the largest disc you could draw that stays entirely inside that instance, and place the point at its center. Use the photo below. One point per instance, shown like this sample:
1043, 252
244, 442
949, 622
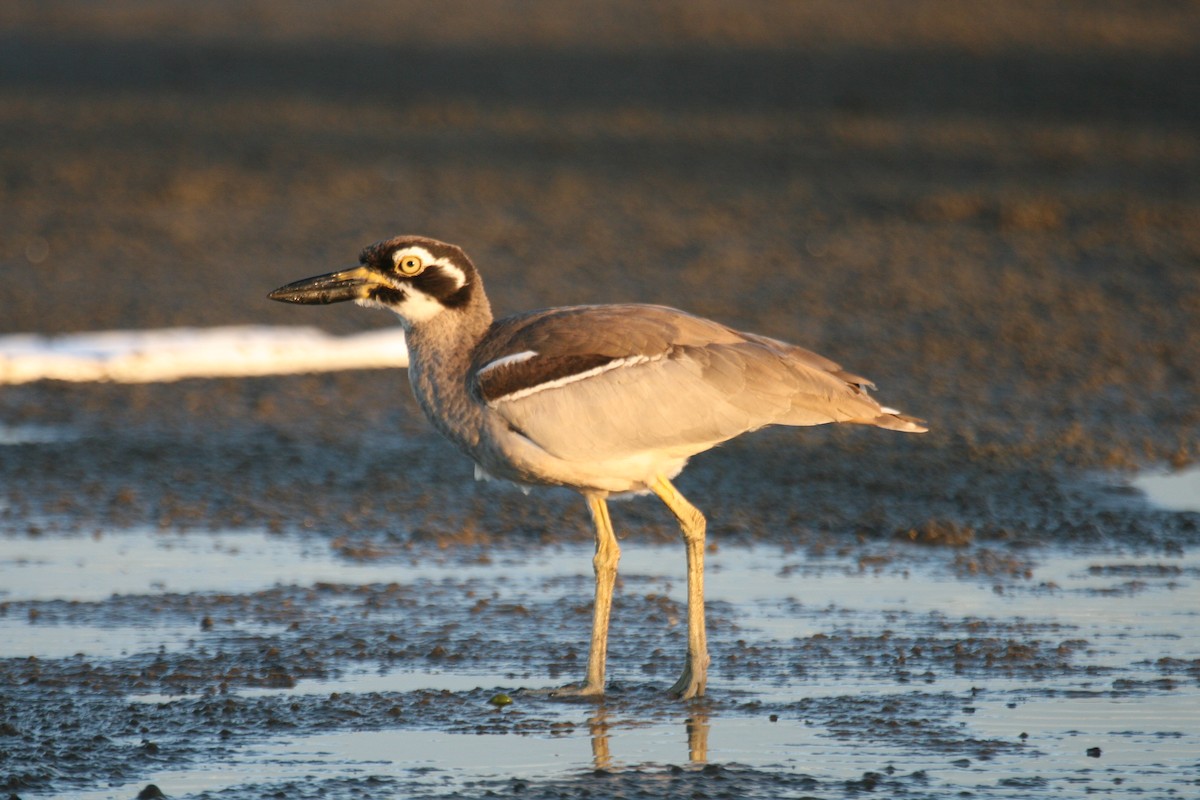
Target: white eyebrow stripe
558, 383
514, 358
420, 252
460, 277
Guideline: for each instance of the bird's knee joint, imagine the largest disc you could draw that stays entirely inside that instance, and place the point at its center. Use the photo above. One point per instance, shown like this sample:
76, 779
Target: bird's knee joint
693, 527
605, 561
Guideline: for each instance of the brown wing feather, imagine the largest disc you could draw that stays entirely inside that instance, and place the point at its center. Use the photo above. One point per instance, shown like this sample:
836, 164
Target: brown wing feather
578, 339
617, 380
506, 379
613, 330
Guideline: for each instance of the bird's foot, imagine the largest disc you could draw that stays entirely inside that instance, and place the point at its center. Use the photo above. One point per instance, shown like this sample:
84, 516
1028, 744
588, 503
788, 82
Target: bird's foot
571, 691
690, 684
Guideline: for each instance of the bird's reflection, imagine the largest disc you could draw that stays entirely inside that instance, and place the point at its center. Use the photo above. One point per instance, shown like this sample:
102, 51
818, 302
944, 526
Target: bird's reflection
599, 726
697, 735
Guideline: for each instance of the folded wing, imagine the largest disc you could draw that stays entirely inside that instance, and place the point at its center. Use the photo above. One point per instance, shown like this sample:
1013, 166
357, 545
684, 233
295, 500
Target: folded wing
599, 382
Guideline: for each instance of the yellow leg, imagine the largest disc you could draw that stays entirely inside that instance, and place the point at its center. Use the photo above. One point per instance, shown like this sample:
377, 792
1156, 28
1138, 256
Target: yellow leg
695, 669
608, 553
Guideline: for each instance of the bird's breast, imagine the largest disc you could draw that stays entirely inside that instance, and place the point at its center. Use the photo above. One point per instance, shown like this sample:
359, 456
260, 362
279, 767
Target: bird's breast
441, 393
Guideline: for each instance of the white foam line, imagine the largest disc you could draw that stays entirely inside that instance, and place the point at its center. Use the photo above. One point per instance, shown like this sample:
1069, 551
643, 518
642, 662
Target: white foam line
171, 354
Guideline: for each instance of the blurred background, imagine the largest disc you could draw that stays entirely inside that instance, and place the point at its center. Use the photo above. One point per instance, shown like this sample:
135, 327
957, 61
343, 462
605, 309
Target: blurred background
991, 210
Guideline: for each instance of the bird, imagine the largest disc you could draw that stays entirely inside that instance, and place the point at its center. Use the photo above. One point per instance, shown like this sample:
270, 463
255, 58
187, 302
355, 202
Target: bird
608, 400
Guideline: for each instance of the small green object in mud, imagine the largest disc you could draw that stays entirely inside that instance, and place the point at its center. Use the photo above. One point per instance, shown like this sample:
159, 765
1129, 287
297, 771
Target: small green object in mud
501, 700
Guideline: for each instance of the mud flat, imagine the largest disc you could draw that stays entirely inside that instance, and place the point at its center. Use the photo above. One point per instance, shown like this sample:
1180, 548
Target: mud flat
289, 586
243, 662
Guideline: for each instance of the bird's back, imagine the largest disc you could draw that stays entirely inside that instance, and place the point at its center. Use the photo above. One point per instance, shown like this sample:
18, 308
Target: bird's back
590, 383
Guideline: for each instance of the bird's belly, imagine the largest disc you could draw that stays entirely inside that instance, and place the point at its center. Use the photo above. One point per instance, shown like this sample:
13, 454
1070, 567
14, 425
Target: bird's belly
508, 455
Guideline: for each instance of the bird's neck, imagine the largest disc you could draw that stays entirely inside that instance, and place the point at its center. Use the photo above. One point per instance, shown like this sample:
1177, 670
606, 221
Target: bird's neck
440, 352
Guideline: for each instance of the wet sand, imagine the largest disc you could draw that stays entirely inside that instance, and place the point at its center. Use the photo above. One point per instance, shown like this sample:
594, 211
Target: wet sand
994, 215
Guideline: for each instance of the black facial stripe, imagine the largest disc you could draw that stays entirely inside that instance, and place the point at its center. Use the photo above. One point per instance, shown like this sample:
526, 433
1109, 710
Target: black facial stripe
435, 282
443, 287
459, 298
387, 295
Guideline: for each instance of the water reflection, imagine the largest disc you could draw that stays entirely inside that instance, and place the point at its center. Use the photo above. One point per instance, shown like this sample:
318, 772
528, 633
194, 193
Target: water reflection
697, 735
600, 731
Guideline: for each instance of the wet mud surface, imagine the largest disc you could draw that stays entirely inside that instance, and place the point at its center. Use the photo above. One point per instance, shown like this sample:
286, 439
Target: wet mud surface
291, 587
297, 670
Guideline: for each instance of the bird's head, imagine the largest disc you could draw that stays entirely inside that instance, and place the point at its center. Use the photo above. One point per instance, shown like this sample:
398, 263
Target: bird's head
416, 277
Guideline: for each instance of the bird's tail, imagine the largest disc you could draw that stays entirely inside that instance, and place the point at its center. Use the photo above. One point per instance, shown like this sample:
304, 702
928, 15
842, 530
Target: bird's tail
893, 420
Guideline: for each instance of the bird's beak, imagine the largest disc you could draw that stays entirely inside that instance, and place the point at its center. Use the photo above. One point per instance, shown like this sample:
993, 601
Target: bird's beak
336, 287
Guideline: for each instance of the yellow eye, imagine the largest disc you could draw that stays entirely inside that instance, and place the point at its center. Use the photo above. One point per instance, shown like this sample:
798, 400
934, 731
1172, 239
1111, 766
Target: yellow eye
410, 265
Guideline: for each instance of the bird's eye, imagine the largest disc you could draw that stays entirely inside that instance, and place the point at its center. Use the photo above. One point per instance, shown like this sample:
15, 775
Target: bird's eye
410, 265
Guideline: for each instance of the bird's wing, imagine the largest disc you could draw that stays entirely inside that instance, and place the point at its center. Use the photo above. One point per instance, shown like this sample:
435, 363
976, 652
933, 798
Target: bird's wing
595, 382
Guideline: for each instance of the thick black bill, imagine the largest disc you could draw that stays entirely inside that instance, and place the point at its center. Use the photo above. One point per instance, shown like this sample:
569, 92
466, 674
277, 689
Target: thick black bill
336, 287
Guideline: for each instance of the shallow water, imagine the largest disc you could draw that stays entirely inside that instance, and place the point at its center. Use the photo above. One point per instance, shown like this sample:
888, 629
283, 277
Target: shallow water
1119, 634
445, 762
148, 355
33, 434
1177, 491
